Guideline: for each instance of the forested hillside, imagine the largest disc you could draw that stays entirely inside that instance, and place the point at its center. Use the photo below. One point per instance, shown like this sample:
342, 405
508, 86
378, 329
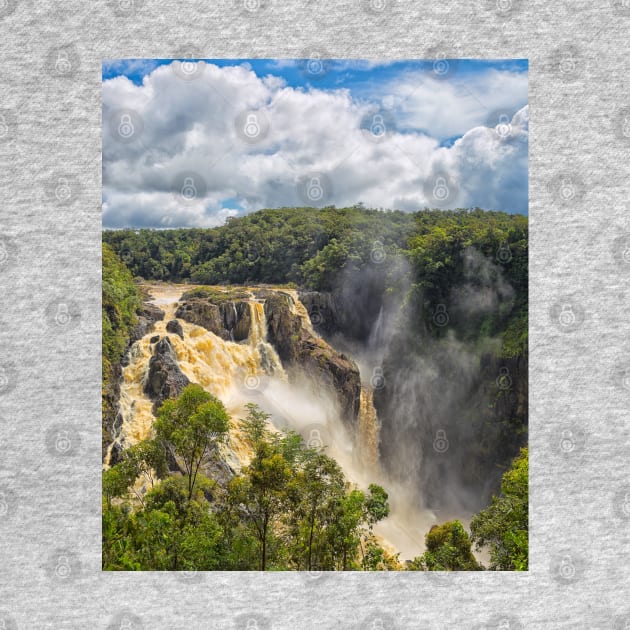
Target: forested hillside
433, 308
320, 249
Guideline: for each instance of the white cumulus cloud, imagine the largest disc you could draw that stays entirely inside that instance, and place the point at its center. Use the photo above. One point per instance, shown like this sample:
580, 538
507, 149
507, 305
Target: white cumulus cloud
169, 132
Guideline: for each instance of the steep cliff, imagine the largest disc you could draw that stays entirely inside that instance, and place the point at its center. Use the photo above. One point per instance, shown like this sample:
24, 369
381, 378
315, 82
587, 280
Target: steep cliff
301, 350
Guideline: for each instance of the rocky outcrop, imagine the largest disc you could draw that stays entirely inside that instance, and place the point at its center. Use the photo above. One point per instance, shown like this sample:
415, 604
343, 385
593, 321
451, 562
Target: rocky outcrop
300, 350
147, 316
175, 327
351, 314
322, 311
164, 379
229, 320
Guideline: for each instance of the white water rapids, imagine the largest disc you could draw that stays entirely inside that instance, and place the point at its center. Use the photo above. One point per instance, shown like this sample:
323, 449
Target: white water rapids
250, 371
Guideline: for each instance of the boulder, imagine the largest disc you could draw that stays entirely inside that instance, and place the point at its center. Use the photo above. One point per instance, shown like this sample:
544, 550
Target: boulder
154, 339
230, 320
148, 314
164, 379
175, 327
300, 350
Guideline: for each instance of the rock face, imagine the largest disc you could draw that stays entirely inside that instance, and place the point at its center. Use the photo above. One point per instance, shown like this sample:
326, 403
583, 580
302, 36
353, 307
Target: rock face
175, 327
299, 349
165, 379
229, 320
352, 314
147, 316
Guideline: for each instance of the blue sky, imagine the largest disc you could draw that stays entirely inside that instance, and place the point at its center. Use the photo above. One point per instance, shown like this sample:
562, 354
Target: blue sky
387, 133
345, 72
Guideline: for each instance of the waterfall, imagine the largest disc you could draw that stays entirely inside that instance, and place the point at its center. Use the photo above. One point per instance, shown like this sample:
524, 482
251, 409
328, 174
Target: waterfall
251, 371
368, 429
230, 371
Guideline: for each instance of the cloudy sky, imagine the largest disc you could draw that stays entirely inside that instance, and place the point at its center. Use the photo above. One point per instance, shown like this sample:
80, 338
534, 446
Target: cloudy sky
192, 142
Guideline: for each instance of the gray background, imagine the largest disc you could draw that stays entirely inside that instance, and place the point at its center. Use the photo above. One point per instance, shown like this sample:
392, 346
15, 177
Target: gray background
50, 508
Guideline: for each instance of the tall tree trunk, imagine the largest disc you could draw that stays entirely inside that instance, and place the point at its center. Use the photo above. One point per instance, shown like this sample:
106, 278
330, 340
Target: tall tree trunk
310, 541
263, 560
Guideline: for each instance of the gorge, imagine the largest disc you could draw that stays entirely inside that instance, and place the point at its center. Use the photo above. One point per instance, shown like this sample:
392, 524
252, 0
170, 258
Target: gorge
401, 357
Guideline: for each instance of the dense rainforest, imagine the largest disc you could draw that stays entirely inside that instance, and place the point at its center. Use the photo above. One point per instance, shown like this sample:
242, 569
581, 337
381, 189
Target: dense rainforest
439, 297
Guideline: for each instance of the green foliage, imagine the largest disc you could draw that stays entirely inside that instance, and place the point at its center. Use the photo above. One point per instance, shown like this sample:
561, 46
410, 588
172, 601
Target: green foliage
503, 525
172, 532
216, 296
319, 248
121, 300
290, 508
448, 548
190, 427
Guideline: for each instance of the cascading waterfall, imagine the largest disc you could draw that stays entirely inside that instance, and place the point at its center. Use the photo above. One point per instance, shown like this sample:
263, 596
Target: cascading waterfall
368, 429
224, 368
251, 371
